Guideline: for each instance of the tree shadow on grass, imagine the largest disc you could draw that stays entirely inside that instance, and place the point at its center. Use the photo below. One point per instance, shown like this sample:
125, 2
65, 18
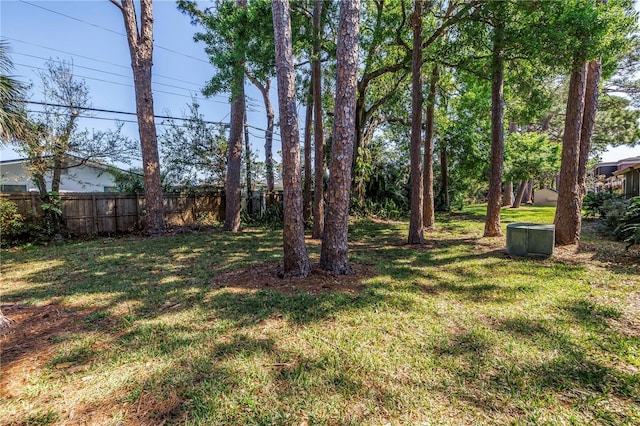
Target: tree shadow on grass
160, 301
463, 267
567, 366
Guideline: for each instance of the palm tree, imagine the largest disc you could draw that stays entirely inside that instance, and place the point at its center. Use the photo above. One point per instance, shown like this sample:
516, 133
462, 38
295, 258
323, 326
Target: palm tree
13, 119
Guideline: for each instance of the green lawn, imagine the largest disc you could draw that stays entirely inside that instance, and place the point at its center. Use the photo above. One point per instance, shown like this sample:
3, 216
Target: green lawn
139, 331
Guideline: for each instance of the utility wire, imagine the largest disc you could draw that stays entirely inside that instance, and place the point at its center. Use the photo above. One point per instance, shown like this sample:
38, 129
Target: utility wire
111, 111
110, 30
89, 58
97, 70
190, 96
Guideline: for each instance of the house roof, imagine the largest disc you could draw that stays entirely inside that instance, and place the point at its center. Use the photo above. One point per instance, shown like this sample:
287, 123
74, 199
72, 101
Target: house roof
626, 170
89, 163
606, 164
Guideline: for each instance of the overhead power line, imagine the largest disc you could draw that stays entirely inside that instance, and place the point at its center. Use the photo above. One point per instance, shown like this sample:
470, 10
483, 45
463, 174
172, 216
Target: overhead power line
100, 71
90, 59
110, 30
190, 96
105, 72
112, 111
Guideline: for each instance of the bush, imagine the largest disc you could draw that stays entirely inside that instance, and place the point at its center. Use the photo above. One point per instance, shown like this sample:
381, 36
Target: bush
272, 217
613, 210
11, 222
598, 204
628, 230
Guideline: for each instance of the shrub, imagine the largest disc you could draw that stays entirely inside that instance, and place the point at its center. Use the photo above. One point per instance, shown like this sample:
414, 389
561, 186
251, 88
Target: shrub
628, 230
598, 204
272, 217
613, 210
11, 222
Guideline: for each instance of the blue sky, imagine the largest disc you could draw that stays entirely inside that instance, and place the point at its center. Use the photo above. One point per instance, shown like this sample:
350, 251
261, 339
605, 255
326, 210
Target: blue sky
92, 36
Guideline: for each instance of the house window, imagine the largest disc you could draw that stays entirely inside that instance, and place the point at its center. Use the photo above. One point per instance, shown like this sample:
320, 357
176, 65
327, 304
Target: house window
13, 188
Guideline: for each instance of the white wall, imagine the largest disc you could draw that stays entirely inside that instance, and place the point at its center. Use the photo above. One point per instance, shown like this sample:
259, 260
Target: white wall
545, 197
78, 179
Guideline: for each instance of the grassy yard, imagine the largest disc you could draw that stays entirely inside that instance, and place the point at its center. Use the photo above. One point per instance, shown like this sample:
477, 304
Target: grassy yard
194, 329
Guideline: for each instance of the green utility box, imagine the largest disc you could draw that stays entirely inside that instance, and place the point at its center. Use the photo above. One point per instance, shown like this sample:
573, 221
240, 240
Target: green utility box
530, 239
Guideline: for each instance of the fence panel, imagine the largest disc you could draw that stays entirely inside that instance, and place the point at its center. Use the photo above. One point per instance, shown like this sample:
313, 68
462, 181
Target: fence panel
109, 213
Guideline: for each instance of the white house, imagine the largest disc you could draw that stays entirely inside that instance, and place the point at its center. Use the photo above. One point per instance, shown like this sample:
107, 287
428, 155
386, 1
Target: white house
89, 177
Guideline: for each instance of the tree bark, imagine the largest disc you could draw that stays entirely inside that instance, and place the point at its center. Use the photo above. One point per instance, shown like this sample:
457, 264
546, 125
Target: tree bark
594, 71
416, 231
296, 260
234, 156
507, 196
57, 174
522, 187
568, 215
429, 215
234, 159
141, 51
444, 178
308, 181
529, 192
334, 256
492, 224
318, 129
268, 138
268, 133
247, 160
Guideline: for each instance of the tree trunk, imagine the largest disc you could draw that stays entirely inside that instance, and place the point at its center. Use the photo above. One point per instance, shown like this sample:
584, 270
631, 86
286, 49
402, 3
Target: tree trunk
333, 256
318, 129
141, 50
247, 160
507, 196
416, 231
57, 174
522, 187
492, 224
268, 133
529, 192
444, 178
594, 71
296, 260
358, 149
308, 181
429, 215
234, 157
268, 137
568, 215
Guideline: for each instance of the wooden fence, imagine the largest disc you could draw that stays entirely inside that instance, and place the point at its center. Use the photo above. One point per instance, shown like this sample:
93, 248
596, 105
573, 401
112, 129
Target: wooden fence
109, 213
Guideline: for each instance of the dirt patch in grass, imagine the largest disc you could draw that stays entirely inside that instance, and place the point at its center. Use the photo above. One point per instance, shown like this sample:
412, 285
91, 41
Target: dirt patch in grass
265, 277
29, 341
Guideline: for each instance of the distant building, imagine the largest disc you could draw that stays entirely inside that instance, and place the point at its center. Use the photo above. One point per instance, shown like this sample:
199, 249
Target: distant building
88, 177
545, 197
605, 169
617, 176
630, 177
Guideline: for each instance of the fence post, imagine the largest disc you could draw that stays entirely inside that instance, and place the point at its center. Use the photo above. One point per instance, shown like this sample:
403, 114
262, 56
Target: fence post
115, 212
138, 220
94, 210
34, 209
